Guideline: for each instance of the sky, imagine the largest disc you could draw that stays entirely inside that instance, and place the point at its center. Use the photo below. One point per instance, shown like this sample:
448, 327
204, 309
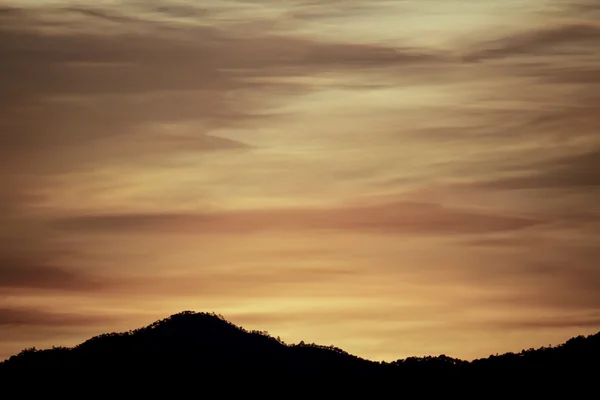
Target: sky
396, 178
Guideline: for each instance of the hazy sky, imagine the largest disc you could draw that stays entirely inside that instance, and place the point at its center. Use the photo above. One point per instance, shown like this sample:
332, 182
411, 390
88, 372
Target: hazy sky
396, 178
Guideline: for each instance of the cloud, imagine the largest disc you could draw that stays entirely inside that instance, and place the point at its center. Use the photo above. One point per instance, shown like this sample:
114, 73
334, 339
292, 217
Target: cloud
315, 10
539, 41
111, 16
582, 6
203, 49
234, 285
580, 171
556, 322
393, 218
33, 272
75, 86
110, 96
553, 274
165, 106
20, 316
502, 242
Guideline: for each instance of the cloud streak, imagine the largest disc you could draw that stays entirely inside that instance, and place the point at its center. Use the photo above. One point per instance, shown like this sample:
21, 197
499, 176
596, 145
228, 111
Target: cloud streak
426, 166
31, 273
580, 171
32, 318
394, 218
549, 40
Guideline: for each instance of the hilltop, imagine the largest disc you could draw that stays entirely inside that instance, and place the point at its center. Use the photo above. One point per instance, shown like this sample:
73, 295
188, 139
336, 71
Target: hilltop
207, 346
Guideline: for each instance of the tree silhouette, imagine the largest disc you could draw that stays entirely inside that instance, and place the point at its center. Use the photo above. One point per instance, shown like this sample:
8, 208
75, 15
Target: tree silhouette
206, 346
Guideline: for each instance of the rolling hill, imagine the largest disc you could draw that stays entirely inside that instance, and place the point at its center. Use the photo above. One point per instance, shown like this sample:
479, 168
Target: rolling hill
206, 347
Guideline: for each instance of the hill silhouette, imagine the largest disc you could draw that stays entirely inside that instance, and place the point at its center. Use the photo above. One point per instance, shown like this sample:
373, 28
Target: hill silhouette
208, 347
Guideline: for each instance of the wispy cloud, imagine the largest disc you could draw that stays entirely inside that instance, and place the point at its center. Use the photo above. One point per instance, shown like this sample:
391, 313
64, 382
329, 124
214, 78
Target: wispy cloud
549, 40
41, 318
427, 166
393, 218
572, 172
33, 273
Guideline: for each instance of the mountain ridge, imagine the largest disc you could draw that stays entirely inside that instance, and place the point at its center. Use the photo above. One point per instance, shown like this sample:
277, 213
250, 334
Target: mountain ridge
206, 342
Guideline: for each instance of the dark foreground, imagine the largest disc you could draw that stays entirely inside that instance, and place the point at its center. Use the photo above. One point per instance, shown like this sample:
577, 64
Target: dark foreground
207, 356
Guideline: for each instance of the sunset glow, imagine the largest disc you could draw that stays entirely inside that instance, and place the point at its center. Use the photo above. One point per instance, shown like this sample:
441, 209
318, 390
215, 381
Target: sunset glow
396, 178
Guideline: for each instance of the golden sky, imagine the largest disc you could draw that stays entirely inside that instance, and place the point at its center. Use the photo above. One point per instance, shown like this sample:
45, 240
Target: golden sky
396, 178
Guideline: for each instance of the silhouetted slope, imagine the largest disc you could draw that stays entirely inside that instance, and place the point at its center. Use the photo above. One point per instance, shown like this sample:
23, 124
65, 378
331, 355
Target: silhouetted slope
183, 341
579, 353
209, 347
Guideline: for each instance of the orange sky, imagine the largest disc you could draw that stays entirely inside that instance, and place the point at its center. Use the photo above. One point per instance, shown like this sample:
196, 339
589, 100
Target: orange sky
395, 178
